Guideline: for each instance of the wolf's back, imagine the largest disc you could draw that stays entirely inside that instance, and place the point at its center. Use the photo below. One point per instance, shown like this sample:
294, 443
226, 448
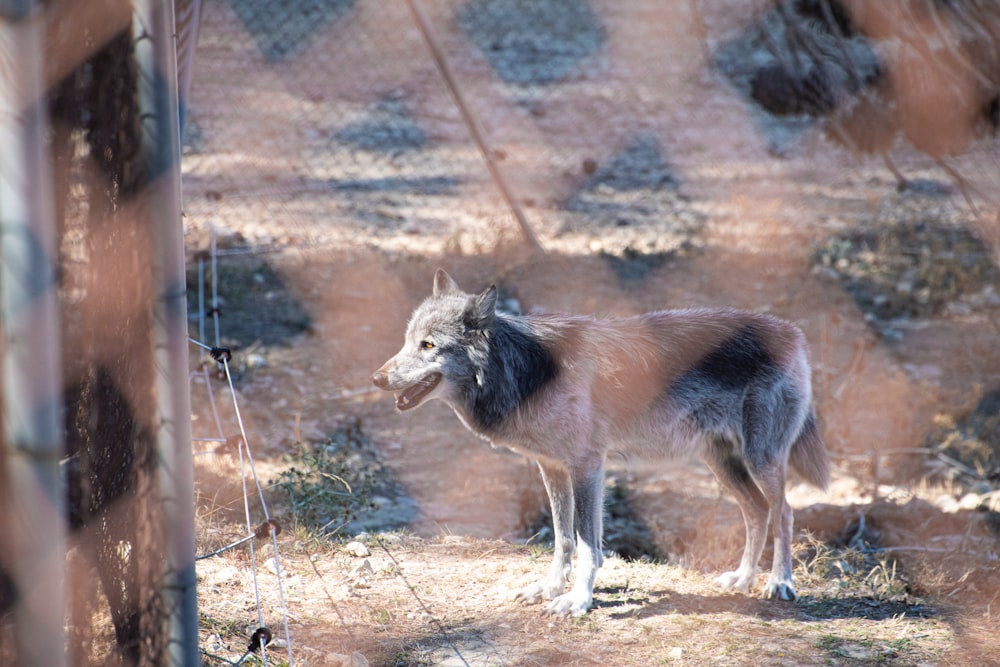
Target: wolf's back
808, 456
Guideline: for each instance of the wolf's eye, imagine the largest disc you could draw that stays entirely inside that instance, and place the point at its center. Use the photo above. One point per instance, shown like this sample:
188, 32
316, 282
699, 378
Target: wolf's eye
426, 345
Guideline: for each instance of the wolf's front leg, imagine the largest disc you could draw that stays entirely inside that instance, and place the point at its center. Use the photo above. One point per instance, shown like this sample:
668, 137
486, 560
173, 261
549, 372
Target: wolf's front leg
560, 492
589, 507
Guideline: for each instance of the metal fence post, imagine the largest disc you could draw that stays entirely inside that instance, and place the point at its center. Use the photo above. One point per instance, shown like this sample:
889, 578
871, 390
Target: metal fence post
29, 312
158, 99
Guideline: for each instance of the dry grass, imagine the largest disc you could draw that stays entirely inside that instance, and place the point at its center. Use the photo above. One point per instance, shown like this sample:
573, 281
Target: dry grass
449, 601
426, 602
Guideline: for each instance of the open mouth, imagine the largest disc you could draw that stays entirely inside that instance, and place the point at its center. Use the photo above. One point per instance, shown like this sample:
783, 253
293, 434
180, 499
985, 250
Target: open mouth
412, 396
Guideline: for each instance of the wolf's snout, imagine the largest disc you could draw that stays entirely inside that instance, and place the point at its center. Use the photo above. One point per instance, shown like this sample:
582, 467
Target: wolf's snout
381, 379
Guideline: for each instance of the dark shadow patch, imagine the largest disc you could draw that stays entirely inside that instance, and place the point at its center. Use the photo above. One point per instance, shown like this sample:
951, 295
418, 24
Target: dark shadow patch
618, 598
632, 267
99, 463
795, 62
396, 168
633, 190
389, 203
339, 486
853, 576
826, 608
281, 29
625, 532
533, 43
966, 450
428, 185
909, 270
641, 166
928, 187
388, 128
110, 456
452, 645
255, 306
9, 595
649, 604
622, 202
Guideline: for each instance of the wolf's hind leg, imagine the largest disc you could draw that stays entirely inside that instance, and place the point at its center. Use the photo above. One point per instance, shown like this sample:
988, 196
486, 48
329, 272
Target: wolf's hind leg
560, 491
772, 420
729, 468
779, 585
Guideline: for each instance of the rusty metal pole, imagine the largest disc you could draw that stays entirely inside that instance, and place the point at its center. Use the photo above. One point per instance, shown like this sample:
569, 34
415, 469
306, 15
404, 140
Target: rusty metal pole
32, 375
153, 26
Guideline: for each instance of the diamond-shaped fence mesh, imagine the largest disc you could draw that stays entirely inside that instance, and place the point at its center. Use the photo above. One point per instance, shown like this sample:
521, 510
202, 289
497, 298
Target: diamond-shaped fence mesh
334, 118
813, 158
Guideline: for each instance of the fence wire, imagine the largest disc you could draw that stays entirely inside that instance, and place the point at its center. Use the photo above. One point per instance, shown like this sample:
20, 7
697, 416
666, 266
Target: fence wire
334, 118
106, 114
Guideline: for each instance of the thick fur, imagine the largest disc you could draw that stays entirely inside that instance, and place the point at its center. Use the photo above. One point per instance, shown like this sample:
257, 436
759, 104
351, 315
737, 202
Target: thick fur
730, 386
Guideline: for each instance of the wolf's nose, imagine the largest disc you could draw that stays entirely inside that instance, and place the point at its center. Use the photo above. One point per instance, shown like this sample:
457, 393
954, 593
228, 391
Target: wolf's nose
380, 379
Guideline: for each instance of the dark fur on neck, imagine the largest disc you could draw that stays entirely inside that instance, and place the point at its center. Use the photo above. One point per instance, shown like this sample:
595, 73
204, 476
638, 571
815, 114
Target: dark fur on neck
511, 365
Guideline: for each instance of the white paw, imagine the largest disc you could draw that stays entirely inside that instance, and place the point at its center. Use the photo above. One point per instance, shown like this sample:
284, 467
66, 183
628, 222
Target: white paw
573, 603
779, 590
540, 590
734, 581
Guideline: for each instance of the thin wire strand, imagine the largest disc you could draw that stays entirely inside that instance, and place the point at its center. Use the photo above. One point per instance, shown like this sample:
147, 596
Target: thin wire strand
201, 297
215, 282
246, 512
413, 592
246, 461
281, 594
243, 433
202, 374
267, 516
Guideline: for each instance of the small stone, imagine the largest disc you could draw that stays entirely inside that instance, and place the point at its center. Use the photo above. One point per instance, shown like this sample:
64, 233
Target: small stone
361, 574
946, 504
254, 360
970, 501
362, 568
357, 549
355, 659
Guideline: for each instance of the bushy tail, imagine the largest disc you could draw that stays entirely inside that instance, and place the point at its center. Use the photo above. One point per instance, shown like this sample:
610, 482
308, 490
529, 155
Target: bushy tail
808, 456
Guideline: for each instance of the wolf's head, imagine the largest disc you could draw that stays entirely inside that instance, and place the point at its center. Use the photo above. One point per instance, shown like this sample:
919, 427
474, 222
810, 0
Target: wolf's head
444, 345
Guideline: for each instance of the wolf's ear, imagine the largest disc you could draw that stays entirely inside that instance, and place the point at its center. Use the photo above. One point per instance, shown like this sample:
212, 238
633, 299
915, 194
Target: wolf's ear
443, 283
481, 309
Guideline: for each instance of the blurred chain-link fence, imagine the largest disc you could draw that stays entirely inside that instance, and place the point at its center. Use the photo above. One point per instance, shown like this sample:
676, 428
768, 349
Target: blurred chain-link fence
832, 161
100, 561
334, 118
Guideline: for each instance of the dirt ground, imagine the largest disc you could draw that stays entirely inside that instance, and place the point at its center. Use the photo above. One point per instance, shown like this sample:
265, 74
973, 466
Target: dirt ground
655, 202
468, 496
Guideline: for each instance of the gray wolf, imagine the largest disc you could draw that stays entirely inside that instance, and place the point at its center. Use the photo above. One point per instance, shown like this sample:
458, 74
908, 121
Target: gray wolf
564, 390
